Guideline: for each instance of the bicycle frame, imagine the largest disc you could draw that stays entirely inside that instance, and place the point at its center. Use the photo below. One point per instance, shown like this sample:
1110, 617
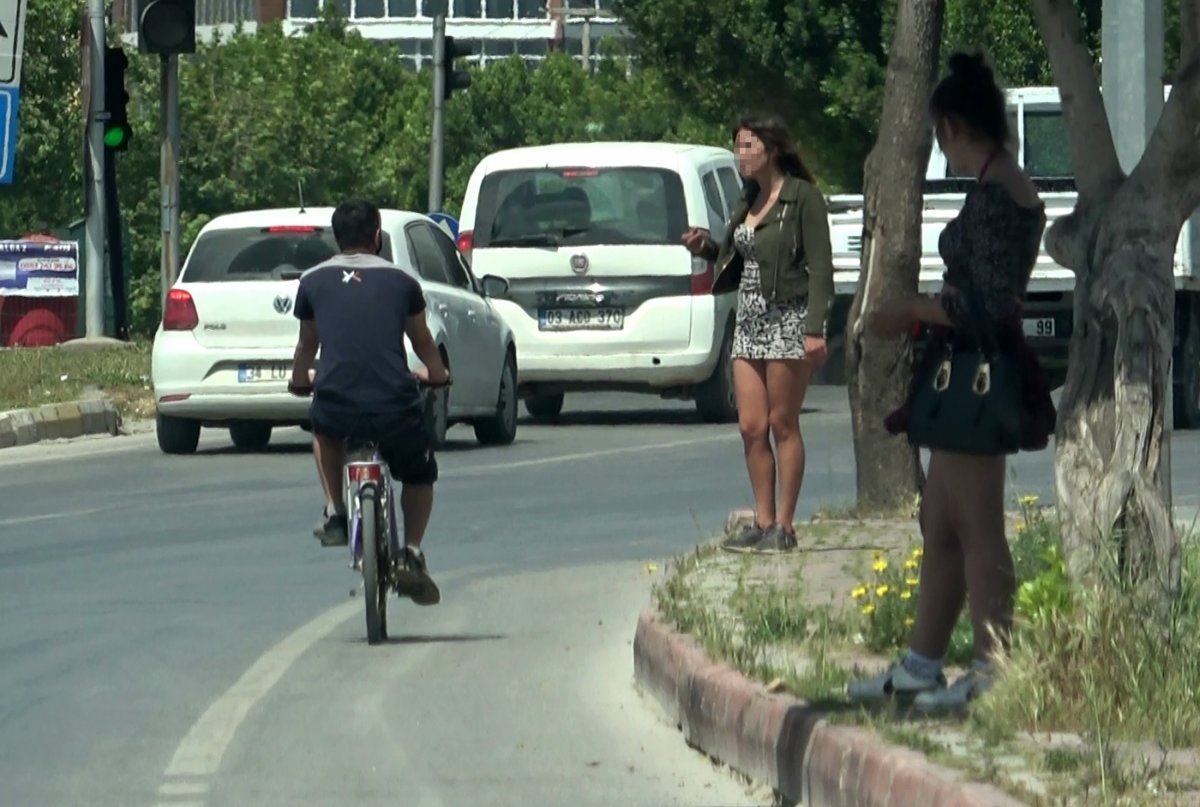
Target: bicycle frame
363, 468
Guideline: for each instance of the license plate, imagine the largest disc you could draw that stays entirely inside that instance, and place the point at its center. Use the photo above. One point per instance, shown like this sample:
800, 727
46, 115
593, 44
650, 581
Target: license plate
255, 373
1040, 327
581, 319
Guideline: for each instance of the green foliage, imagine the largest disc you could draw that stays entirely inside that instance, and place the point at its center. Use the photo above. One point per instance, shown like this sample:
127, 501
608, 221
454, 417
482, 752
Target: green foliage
339, 115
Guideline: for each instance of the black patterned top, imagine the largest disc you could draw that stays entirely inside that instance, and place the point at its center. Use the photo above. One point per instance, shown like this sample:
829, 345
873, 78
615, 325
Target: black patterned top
989, 249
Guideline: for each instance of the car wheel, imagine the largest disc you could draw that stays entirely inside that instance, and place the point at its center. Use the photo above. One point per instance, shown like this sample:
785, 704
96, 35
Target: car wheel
501, 428
544, 406
177, 435
716, 398
437, 415
250, 436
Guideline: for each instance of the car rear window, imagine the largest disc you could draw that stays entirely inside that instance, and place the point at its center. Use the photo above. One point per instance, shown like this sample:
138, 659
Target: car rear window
580, 206
261, 253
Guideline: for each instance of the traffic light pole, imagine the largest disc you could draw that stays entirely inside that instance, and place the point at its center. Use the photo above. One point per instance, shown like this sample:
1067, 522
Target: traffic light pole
437, 142
169, 169
94, 231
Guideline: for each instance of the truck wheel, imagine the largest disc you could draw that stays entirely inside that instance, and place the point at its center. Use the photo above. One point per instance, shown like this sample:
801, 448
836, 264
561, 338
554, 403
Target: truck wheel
1186, 364
715, 398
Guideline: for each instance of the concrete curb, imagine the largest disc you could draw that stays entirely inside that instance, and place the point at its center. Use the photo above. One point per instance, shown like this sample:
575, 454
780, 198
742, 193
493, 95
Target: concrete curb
784, 742
22, 427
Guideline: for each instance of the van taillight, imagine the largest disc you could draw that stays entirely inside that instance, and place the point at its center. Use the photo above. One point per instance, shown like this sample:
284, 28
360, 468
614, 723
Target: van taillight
466, 242
702, 276
180, 312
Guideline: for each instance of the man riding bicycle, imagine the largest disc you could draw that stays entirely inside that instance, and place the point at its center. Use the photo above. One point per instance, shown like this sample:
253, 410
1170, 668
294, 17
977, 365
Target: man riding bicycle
357, 308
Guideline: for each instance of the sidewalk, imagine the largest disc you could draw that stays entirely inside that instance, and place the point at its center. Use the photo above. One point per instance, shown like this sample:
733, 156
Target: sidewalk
805, 749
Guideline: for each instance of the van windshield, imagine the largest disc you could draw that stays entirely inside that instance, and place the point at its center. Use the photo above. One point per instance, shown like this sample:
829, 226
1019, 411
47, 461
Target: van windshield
580, 207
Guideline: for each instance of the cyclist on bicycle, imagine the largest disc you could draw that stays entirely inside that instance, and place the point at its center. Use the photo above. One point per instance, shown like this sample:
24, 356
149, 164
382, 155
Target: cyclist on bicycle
357, 307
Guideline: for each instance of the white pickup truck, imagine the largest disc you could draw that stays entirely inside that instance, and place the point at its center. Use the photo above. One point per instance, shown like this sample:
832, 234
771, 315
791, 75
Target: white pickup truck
1035, 116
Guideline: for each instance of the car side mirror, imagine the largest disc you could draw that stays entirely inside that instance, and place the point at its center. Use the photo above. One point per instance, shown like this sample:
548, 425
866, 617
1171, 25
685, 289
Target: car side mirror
493, 286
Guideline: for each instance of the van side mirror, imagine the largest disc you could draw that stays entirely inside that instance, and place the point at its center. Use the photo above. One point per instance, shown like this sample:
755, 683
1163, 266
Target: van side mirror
493, 286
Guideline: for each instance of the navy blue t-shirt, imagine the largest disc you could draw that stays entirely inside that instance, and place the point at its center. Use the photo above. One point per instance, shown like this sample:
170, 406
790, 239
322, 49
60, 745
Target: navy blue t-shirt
361, 304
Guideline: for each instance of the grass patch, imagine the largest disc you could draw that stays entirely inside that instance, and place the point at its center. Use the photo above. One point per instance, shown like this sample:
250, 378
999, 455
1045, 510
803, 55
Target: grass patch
1105, 666
37, 376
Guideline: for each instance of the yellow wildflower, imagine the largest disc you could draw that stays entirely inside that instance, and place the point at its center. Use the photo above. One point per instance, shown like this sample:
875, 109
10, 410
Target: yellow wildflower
912, 581
911, 563
858, 592
906, 595
868, 609
909, 622
1029, 500
918, 553
1021, 527
881, 565
882, 590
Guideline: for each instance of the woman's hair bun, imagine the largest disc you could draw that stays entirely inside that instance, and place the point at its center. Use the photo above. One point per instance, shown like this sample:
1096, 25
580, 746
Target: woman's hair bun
971, 67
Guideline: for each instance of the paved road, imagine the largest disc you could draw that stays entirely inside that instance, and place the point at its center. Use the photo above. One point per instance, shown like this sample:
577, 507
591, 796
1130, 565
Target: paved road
172, 635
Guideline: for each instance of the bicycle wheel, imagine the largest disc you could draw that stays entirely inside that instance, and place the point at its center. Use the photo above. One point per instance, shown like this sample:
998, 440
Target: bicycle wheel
374, 594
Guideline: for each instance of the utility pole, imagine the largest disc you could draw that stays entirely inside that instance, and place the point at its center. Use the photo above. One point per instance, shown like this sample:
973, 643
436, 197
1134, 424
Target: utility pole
94, 230
437, 142
169, 168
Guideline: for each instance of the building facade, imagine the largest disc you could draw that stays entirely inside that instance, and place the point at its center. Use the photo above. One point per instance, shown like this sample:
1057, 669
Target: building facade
492, 29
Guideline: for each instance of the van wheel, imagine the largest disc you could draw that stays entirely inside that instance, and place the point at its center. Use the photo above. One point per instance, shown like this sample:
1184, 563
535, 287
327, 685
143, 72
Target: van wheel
715, 398
544, 406
177, 435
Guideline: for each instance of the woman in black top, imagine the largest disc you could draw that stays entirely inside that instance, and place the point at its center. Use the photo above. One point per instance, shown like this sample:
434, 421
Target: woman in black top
989, 250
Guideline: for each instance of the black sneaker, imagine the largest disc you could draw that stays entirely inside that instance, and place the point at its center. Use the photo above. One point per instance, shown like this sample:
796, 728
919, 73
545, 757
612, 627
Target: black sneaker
744, 540
776, 541
331, 530
413, 580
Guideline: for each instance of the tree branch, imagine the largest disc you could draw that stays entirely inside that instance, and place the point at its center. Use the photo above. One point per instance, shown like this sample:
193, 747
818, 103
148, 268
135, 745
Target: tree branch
1097, 169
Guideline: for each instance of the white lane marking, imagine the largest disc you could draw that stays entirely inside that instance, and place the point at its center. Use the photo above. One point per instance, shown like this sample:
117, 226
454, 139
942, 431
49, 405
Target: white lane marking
587, 455
133, 508
188, 777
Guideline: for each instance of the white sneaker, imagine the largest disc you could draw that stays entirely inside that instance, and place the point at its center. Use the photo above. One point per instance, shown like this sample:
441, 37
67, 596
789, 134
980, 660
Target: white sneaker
895, 682
966, 689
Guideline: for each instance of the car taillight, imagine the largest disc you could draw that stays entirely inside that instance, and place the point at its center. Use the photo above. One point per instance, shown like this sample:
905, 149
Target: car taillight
702, 276
466, 242
180, 313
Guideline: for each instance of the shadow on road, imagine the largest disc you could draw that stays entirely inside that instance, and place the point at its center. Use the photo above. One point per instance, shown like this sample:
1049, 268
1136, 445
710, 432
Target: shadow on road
627, 417
459, 638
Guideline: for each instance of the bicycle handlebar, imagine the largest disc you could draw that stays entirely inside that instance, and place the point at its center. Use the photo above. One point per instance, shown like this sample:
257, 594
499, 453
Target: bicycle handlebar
307, 390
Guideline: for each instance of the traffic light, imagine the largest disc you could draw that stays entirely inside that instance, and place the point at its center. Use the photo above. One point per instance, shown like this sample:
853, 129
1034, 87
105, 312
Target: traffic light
166, 26
117, 132
455, 79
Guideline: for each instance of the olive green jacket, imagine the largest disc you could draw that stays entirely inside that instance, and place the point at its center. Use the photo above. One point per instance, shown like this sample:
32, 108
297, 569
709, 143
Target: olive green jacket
791, 243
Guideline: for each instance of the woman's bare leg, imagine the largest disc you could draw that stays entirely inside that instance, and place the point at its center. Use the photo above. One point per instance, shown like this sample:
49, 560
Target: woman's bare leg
750, 386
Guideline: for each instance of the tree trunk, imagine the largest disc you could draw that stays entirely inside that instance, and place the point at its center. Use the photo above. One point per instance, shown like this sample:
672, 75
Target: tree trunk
1112, 439
879, 372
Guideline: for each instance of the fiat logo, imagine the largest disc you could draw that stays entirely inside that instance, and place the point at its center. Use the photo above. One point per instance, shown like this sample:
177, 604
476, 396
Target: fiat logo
283, 304
579, 263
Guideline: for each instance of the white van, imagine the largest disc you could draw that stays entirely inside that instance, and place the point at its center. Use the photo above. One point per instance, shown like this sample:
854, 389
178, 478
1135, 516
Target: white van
602, 294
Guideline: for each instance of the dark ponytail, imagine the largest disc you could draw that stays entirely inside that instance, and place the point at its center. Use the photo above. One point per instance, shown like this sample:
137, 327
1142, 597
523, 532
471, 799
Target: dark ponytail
971, 94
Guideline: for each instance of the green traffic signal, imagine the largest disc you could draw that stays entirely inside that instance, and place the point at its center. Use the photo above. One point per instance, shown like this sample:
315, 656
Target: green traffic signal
114, 136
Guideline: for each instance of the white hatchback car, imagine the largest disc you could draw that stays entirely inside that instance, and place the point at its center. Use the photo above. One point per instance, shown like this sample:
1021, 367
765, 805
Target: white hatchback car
602, 294
223, 352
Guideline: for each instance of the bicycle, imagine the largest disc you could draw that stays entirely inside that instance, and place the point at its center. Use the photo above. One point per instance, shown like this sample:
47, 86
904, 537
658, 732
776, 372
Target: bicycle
370, 516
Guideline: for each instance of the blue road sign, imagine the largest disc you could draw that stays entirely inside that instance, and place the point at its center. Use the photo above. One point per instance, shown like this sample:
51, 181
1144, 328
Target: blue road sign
447, 222
10, 98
